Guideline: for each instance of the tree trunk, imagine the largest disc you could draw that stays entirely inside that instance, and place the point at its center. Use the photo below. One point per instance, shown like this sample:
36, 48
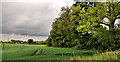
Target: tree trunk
112, 31
112, 21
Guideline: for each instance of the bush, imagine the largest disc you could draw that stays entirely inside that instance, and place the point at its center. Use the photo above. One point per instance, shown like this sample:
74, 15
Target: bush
30, 41
13, 41
17, 41
40, 43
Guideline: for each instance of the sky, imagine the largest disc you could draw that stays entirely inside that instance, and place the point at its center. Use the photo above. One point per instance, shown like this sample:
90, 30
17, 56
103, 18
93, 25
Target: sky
7, 37
30, 17
33, 18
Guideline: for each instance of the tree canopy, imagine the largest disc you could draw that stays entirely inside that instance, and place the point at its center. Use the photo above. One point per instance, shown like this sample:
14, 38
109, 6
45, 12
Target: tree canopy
82, 26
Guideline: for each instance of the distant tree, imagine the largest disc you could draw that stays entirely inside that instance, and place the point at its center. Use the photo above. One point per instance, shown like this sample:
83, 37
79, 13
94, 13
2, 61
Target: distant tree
30, 41
13, 41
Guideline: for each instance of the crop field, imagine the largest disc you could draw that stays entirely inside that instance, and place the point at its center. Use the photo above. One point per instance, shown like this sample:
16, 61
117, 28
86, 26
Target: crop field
39, 52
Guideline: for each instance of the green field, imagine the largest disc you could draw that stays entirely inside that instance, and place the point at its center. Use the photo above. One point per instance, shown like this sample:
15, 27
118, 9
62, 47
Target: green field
27, 52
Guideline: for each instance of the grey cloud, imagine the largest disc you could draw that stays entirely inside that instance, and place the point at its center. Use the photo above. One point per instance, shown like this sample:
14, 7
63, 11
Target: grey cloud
28, 18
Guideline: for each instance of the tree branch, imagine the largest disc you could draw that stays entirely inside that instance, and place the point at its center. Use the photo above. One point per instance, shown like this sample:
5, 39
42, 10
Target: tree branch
104, 24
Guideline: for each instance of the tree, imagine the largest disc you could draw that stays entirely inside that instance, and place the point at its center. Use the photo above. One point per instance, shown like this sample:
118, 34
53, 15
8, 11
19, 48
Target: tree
64, 33
93, 18
60, 28
30, 41
82, 26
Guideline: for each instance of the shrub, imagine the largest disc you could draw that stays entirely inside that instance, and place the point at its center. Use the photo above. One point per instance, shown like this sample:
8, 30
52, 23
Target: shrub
34, 42
30, 41
13, 41
40, 42
16, 41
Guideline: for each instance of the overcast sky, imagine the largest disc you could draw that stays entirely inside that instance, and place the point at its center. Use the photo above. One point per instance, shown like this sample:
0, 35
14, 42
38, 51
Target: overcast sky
30, 17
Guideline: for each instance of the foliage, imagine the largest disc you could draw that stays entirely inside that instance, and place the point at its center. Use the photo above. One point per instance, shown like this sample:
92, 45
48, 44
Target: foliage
17, 41
82, 26
93, 17
64, 33
30, 41
41, 43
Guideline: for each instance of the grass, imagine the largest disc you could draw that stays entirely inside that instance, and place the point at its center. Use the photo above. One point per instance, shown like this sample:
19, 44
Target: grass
42, 52
26, 52
112, 55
